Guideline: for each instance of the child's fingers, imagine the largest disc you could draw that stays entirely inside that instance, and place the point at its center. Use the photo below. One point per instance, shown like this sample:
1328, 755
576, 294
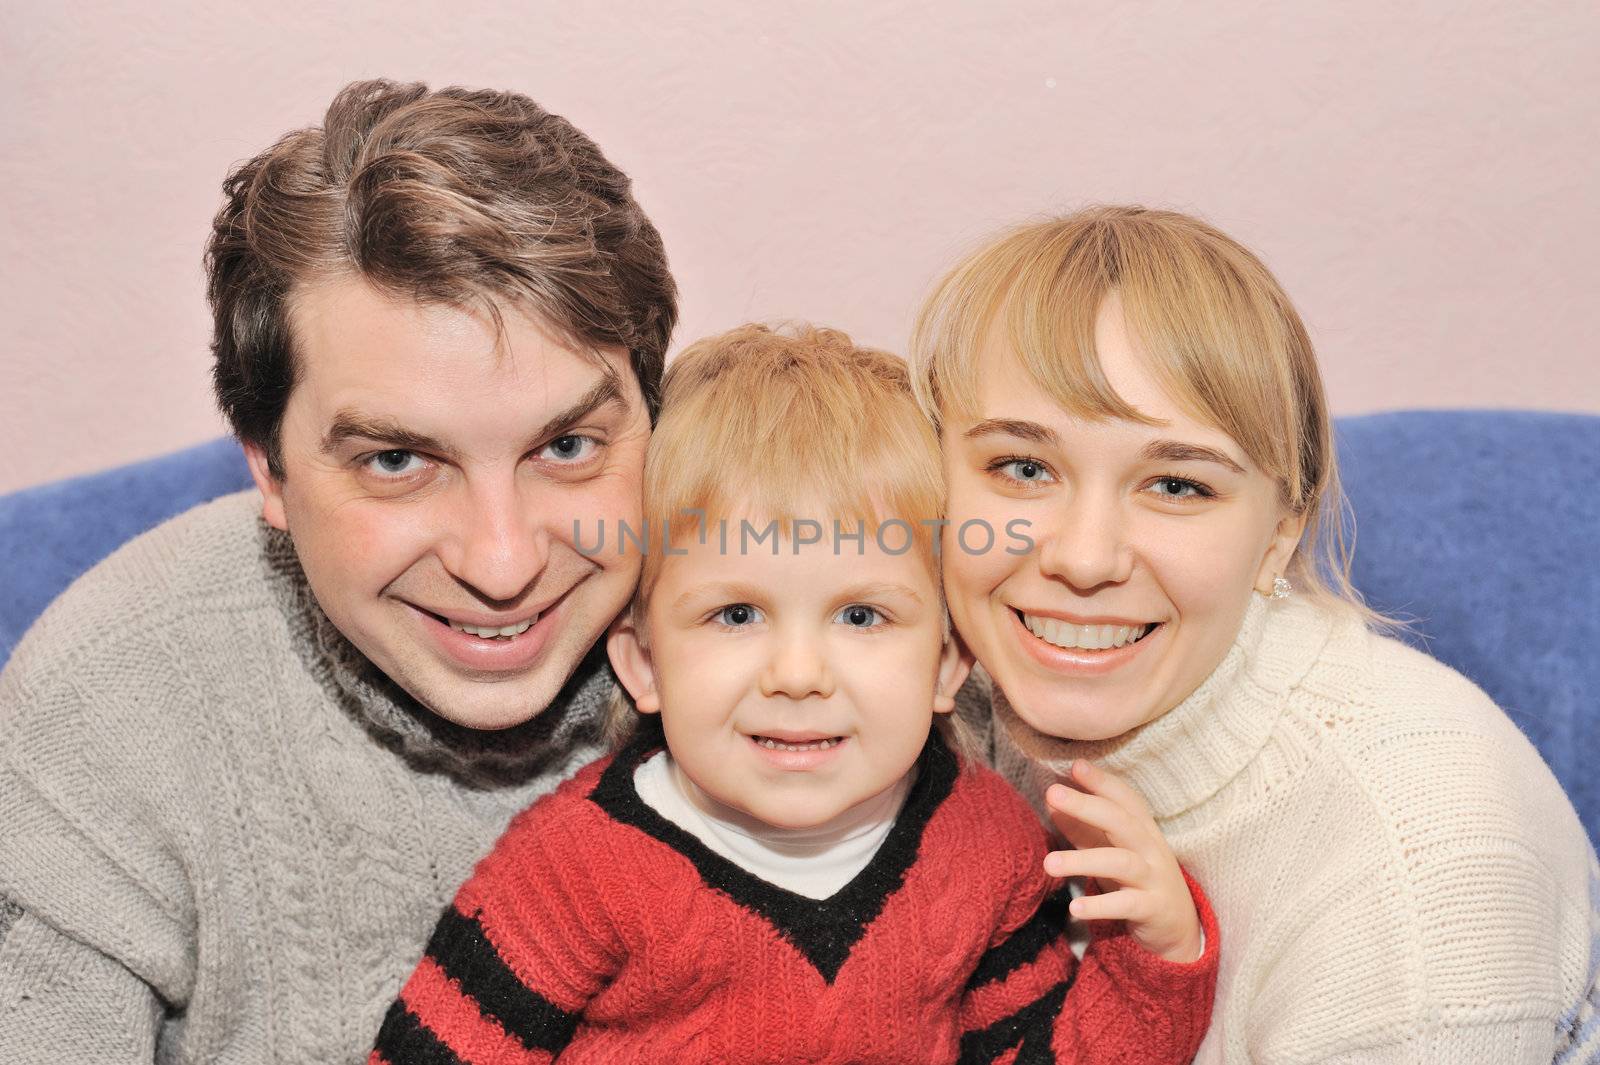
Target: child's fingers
1097, 781
1114, 864
1121, 827
1125, 905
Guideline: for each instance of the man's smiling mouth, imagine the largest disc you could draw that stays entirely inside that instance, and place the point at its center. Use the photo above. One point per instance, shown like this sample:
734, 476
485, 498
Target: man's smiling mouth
503, 632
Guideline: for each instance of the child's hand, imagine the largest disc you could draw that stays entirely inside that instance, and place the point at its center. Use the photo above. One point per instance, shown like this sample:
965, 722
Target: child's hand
1125, 856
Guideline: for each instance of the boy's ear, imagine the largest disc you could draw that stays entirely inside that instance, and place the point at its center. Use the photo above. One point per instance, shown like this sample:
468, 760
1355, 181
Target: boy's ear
631, 661
955, 662
270, 487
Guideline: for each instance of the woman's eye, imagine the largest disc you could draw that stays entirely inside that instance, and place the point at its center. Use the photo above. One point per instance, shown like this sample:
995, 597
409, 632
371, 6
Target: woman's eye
1028, 471
395, 463
738, 615
1179, 488
570, 448
858, 616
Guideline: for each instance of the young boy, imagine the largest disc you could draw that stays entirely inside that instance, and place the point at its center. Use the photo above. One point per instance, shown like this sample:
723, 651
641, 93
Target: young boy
788, 862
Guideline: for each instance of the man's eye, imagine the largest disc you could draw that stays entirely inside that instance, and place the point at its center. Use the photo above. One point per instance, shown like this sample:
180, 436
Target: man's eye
570, 448
738, 615
859, 616
395, 463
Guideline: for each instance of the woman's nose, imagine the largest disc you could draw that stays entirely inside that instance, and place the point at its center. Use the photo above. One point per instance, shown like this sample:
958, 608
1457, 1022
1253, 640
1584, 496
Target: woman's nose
1088, 545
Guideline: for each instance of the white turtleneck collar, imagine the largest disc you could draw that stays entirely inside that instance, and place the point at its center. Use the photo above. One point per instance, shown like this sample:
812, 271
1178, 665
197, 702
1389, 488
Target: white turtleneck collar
814, 862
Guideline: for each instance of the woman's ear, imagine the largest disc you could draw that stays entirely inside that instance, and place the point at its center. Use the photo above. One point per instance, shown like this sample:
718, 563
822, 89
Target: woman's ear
955, 662
270, 487
1285, 538
631, 661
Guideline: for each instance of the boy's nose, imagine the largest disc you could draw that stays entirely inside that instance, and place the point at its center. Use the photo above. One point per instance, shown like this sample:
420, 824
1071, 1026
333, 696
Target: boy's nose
798, 669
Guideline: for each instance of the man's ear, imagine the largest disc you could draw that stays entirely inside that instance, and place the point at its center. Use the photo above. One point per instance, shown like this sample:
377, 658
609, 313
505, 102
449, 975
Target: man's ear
270, 487
1285, 538
631, 661
955, 662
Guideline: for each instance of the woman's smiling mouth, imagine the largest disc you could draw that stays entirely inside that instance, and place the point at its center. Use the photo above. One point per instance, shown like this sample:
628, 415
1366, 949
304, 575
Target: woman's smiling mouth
1083, 650
1084, 637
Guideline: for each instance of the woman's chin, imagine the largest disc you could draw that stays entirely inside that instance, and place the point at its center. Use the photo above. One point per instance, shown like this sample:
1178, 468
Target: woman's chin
1055, 715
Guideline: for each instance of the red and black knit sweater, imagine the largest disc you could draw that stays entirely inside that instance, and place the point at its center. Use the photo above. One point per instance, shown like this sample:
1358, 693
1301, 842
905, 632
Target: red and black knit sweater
598, 931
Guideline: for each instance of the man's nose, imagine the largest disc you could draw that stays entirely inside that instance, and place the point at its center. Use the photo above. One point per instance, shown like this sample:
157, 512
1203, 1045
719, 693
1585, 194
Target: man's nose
797, 667
495, 542
1088, 543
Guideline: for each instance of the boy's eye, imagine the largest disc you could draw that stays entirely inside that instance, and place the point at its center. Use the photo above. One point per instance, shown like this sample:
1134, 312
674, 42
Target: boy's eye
738, 615
858, 616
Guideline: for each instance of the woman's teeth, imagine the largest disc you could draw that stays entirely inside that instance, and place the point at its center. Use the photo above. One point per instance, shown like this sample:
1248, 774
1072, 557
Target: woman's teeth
1086, 637
489, 634
809, 745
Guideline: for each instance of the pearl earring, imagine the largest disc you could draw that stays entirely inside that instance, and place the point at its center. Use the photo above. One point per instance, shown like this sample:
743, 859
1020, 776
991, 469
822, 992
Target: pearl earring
1281, 588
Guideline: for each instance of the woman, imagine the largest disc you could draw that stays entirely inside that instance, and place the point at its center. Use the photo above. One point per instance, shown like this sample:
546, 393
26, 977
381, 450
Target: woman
1397, 876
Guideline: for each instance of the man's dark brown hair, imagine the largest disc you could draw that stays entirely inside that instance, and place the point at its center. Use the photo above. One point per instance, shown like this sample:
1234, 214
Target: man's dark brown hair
456, 196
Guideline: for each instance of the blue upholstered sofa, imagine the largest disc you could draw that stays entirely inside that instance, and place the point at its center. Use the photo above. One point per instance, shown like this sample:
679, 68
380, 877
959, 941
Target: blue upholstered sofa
1483, 527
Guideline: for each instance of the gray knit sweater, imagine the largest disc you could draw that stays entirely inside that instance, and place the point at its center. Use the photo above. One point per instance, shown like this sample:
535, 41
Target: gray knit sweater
224, 836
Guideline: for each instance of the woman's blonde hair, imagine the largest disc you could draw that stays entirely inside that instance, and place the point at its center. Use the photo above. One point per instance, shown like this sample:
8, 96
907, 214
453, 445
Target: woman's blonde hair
793, 425
1217, 329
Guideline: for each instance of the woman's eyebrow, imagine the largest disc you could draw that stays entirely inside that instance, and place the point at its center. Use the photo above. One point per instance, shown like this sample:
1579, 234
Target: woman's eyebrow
1025, 430
1179, 451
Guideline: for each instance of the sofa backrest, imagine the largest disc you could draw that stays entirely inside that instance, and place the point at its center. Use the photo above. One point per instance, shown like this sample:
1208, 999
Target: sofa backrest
1481, 527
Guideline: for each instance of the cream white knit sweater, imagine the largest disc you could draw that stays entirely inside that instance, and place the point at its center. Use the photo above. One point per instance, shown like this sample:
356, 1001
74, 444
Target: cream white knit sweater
224, 836
1397, 876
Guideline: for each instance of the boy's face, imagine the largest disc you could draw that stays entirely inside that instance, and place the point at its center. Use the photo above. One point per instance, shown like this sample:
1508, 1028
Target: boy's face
792, 686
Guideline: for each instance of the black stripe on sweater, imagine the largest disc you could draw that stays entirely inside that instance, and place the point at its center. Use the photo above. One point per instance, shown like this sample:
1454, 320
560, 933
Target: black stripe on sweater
1048, 923
1033, 1026
404, 1040
464, 952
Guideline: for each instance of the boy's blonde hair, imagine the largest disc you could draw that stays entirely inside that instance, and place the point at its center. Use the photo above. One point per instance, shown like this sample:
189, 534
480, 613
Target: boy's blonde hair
1218, 331
791, 425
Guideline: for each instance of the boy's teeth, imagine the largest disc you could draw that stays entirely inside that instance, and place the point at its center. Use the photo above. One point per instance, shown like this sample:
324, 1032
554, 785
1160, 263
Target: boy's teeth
488, 634
780, 745
1087, 637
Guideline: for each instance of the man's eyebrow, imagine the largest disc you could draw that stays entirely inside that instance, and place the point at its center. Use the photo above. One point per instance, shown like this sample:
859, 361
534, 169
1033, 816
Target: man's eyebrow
606, 390
1178, 451
1033, 431
352, 425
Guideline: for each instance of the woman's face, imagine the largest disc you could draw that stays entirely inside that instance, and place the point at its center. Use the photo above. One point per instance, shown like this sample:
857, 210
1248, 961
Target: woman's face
1148, 541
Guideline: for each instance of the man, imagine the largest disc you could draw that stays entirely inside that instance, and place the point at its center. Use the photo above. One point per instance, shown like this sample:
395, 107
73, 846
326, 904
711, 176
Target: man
248, 758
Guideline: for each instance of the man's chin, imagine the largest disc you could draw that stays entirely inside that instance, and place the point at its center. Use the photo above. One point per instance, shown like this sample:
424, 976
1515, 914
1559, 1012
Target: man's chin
489, 706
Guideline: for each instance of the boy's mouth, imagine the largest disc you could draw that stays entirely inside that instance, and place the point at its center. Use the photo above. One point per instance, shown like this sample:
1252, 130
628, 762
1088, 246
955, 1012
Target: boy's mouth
775, 743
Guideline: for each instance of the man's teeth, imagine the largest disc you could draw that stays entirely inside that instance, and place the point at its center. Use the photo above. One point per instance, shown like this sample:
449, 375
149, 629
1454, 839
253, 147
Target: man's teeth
1087, 637
810, 745
488, 634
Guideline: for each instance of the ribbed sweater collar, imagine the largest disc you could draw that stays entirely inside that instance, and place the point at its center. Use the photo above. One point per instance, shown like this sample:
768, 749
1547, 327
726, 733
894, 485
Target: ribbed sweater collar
393, 717
1188, 754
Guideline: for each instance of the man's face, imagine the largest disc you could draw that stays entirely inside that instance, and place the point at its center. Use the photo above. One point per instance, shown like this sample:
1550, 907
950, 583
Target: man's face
433, 482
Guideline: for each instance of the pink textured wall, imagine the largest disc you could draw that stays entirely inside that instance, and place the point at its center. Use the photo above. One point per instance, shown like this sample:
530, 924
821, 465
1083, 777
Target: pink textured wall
1420, 175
